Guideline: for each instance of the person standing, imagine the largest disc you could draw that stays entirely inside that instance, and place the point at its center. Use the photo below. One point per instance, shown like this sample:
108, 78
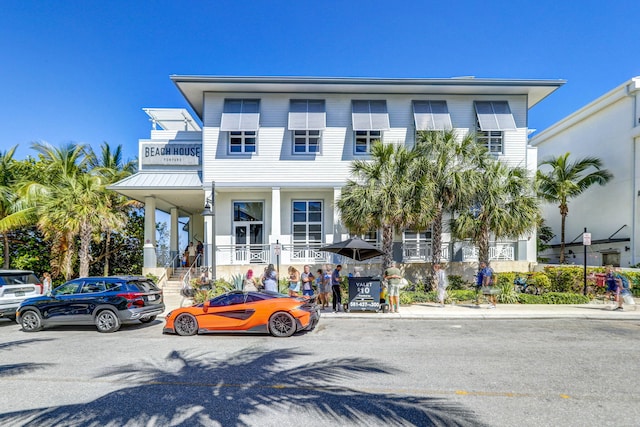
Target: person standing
488, 281
270, 279
613, 286
46, 283
441, 282
249, 285
335, 288
191, 250
294, 281
200, 252
393, 276
320, 286
307, 281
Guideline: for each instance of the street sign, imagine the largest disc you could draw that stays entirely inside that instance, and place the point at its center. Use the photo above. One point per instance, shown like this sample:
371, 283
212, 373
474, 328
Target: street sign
586, 239
277, 248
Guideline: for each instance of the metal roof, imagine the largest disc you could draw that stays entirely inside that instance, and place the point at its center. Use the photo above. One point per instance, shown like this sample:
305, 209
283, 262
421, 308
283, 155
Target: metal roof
162, 185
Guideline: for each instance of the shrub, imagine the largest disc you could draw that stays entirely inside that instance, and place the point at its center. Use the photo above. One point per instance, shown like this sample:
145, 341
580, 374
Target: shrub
413, 297
201, 296
541, 281
507, 293
457, 283
462, 295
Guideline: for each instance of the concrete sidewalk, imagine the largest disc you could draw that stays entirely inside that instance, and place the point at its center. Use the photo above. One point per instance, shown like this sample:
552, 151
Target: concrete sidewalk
470, 311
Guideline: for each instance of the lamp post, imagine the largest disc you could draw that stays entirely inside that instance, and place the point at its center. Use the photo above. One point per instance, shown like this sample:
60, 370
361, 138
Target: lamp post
210, 211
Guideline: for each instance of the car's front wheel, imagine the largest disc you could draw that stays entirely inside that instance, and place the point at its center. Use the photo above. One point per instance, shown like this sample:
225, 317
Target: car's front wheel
148, 319
185, 324
107, 321
282, 324
31, 321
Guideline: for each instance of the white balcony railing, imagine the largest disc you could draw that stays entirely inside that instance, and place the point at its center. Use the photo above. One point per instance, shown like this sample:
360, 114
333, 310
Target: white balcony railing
499, 252
422, 252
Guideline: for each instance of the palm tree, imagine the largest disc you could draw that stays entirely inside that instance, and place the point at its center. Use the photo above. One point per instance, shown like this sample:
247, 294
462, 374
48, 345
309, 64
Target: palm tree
112, 168
505, 206
62, 167
386, 192
8, 200
449, 163
567, 179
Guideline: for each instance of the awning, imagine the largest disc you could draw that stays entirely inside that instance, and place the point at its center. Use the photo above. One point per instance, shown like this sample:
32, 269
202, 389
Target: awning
307, 114
431, 115
240, 115
369, 115
494, 115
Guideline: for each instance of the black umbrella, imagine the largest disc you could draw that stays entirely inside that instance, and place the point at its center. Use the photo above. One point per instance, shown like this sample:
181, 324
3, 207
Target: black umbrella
355, 248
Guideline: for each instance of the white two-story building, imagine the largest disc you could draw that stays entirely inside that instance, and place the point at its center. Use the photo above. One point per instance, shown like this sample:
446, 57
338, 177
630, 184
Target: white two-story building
269, 156
607, 128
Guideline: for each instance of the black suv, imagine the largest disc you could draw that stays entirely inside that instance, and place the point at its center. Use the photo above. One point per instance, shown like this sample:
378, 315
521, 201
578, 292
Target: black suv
106, 302
15, 287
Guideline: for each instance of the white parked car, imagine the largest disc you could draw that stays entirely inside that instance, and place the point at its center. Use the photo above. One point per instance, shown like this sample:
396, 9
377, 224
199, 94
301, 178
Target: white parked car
15, 287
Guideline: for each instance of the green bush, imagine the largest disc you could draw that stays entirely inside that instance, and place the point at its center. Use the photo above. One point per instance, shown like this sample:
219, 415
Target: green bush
507, 293
462, 295
413, 297
541, 281
457, 283
553, 298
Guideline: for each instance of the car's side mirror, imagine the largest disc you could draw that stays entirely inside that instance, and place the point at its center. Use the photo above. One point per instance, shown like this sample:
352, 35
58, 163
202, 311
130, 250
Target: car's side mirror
206, 305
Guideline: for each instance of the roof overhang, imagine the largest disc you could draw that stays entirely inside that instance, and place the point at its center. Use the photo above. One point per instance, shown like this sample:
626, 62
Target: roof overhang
193, 88
182, 190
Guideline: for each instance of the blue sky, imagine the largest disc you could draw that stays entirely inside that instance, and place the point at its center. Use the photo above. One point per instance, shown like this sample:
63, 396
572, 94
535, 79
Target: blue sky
82, 71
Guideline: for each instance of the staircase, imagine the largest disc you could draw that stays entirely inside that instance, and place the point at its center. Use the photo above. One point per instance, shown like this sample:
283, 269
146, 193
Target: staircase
174, 282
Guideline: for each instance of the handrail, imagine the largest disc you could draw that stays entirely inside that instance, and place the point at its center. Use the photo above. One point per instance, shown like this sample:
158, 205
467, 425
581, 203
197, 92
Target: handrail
186, 280
172, 262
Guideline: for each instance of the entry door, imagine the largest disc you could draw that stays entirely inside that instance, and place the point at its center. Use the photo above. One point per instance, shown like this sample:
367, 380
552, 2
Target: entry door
248, 241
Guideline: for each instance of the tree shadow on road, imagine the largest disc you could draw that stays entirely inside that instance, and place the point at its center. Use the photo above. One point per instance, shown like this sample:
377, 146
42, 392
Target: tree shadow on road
189, 389
20, 368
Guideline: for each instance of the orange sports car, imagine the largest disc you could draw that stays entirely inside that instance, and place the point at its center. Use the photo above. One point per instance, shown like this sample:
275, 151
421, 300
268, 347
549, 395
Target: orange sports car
238, 311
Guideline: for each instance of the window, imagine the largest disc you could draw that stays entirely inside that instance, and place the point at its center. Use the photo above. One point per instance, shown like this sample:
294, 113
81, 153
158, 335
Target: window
431, 115
365, 139
490, 139
416, 245
306, 141
369, 119
307, 222
493, 118
240, 115
307, 118
242, 142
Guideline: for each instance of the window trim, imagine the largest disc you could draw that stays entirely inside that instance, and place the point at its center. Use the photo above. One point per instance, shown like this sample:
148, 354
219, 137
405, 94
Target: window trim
243, 137
307, 138
369, 141
307, 222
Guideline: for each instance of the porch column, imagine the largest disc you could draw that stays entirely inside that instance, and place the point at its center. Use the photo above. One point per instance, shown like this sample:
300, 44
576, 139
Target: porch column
337, 222
173, 236
149, 259
275, 215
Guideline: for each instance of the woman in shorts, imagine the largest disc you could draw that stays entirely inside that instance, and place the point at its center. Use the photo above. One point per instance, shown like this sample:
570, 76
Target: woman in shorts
294, 282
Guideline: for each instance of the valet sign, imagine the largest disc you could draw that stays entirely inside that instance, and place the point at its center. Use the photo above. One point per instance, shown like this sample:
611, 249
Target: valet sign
171, 154
364, 294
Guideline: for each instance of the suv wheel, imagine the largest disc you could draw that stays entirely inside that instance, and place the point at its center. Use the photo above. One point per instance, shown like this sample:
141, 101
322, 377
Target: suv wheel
107, 321
31, 321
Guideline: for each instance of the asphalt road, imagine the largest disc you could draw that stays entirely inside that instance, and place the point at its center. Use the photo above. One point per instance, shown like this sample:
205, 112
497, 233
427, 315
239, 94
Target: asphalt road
346, 372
